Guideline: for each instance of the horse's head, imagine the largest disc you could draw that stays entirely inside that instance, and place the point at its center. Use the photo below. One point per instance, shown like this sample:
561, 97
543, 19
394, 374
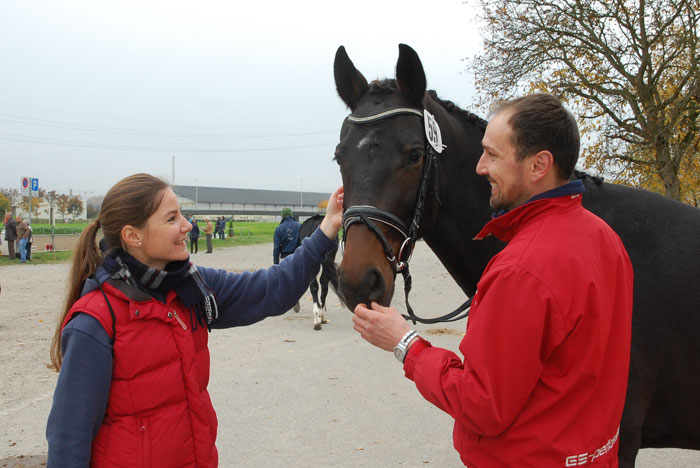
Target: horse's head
382, 155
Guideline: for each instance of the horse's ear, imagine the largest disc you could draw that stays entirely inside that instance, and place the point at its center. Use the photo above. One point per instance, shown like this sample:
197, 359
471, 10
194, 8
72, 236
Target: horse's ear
349, 82
410, 77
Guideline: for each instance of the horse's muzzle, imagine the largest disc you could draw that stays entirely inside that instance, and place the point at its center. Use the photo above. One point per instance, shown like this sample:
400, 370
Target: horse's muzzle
364, 288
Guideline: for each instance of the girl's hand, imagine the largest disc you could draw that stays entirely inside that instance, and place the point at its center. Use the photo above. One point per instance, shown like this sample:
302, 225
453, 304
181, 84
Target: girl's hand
334, 215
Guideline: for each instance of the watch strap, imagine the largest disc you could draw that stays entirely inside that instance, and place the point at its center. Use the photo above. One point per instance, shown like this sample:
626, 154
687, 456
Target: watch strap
401, 348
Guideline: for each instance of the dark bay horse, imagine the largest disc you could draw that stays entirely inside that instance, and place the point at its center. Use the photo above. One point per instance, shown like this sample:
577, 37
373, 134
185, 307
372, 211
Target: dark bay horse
328, 273
382, 162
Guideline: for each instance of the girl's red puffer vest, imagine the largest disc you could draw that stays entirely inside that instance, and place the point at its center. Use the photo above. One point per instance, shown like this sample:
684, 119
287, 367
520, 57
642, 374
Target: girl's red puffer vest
159, 412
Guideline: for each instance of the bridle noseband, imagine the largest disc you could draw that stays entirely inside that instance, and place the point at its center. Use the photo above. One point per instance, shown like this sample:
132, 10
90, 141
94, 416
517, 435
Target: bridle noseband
370, 215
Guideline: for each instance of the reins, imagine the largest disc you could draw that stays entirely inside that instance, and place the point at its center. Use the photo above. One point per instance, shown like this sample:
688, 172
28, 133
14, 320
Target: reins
370, 215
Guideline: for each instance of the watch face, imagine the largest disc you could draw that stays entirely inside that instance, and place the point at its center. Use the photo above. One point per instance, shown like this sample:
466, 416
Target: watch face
398, 352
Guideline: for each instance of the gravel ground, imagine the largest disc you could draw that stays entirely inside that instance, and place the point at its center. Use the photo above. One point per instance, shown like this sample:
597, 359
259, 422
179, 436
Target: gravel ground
285, 394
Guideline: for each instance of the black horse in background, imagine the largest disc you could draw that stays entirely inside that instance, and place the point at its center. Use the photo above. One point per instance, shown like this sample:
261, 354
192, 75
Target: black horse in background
329, 273
381, 163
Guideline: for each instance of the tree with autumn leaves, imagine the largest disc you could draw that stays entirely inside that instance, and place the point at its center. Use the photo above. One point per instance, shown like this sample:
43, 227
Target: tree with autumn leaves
66, 204
629, 69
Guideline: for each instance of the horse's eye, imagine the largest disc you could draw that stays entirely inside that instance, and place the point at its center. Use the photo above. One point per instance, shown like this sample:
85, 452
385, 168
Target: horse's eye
415, 155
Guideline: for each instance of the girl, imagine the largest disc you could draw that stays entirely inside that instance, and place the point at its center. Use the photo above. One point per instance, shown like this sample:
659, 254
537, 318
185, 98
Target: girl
131, 344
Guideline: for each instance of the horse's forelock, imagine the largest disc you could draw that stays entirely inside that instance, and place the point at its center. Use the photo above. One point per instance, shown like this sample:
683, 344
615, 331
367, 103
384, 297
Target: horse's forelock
383, 87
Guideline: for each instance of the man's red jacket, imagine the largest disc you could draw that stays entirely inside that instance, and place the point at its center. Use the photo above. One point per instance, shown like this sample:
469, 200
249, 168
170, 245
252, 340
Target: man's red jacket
546, 352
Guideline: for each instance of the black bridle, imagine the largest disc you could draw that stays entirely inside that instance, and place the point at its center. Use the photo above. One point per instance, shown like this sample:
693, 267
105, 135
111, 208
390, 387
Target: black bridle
370, 215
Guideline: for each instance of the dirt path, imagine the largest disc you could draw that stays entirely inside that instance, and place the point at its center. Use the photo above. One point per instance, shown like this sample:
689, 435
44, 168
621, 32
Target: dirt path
286, 395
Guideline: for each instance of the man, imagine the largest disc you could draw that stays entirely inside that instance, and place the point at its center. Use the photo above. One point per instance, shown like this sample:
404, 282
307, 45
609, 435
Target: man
30, 241
23, 237
208, 231
286, 240
11, 235
194, 237
222, 228
546, 352
217, 228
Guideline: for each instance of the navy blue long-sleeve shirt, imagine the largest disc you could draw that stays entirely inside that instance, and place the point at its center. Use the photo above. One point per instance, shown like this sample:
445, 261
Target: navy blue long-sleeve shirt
82, 390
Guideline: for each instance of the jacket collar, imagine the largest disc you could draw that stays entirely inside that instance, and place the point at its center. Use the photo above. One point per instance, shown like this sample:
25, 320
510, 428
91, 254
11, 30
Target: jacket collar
507, 223
121, 288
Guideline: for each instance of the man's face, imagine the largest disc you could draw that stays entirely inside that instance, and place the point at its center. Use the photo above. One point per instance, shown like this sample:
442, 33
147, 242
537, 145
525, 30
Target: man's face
500, 165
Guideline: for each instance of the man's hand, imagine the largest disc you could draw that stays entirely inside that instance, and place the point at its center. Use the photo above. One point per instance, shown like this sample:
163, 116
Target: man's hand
381, 326
334, 215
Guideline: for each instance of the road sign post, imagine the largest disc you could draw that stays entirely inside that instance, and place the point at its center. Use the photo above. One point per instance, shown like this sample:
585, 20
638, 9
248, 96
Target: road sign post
30, 188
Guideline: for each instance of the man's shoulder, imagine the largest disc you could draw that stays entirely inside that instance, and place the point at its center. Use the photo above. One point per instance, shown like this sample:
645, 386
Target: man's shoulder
561, 240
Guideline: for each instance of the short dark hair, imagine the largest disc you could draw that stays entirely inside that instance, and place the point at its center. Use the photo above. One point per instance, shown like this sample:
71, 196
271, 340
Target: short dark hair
541, 122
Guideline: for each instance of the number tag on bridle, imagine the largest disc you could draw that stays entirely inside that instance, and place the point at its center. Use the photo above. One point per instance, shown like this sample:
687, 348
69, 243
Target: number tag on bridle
432, 131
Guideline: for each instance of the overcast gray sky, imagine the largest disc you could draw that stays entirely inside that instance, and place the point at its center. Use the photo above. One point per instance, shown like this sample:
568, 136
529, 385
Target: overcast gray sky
240, 93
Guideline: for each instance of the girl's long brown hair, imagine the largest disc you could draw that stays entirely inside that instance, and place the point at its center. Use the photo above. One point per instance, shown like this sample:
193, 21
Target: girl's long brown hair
131, 201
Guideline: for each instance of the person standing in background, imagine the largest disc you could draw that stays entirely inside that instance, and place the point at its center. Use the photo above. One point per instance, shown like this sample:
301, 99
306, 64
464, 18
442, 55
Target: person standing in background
217, 226
194, 236
30, 239
22, 235
209, 231
286, 240
221, 225
11, 235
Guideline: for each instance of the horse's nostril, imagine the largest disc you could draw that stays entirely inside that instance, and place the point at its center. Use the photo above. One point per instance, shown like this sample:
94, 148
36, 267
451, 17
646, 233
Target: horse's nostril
362, 289
375, 286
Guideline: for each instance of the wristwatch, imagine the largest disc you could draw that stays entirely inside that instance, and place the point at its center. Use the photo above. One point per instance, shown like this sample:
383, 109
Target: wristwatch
401, 348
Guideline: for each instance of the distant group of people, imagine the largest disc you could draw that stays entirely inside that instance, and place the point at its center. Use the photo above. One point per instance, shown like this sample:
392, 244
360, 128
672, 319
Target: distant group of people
19, 238
211, 229
220, 227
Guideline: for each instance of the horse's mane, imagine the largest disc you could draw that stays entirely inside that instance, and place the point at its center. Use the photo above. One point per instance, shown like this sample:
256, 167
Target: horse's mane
458, 112
474, 119
585, 175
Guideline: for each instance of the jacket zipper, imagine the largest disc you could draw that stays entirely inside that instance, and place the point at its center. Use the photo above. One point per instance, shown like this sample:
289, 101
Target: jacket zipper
179, 320
144, 446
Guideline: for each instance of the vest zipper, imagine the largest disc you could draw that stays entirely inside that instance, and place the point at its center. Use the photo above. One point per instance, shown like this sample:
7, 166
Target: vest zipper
179, 320
144, 444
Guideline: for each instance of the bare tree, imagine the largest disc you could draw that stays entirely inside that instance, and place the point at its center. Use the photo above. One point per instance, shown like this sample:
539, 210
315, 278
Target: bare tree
628, 68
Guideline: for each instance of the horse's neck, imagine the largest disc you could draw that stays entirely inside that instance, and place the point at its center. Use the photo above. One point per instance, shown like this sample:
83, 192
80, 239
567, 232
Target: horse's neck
463, 211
